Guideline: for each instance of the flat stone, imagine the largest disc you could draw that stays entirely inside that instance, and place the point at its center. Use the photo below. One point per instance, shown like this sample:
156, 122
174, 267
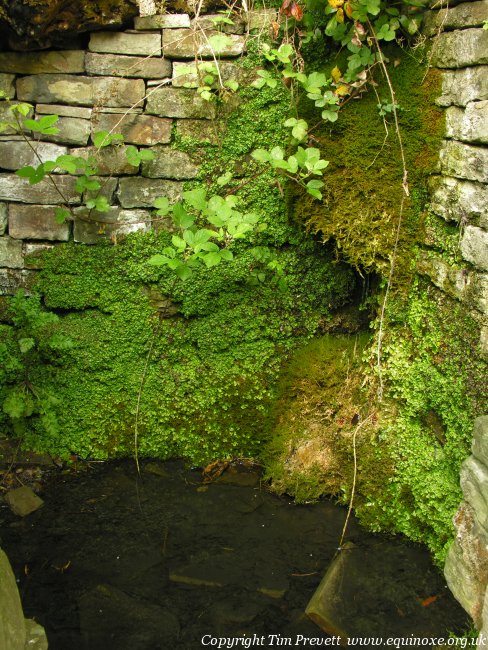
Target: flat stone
133, 110
108, 188
459, 87
36, 222
213, 21
17, 154
35, 636
170, 163
7, 84
469, 125
98, 226
57, 62
479, 292
179, 102
474, 484
7, 116
148, 44
3, 218
454, 199
467, 14
81, 91
187, 44
480, 439
72, 130
474, 247
11, 280
12, 625
22, 501
261, 19
464, 161
108, 160
162, 21
32, 255
127, 66
185, 75
460, 49
14, 188
201, 130
64, 111
142, 192
136, 129
11, 254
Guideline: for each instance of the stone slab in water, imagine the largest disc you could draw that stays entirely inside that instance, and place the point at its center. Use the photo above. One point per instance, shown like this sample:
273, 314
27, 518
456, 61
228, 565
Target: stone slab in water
127, 66
459, 87
12, 625
62, 62
22, 501
36, 222
147, 44
137, 129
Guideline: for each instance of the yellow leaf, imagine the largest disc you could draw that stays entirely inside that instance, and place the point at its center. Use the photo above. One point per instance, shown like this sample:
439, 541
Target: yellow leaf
336, 3
342, 90
348, 8
340, 15
336, 74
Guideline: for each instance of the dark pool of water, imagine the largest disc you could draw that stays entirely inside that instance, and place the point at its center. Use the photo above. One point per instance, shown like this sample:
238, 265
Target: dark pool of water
113, 561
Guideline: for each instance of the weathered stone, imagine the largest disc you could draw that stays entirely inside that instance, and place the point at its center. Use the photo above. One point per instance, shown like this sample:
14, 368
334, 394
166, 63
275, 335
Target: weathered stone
11, 255
17, 154
469, 125
108, 161
187, 44
455, 282
456, 200
460, 48
147, 44
23, 500
81, 91
185, 75
474, 484
108, 188
169, 163
261, 19
464, 161
57, 62
467, 14
201, 130
466, 568
91, 228
179, 102
72, 130
7, 84
136, 129
32, 253
14, 188
12, 625
459, 87
35, 636
36, 222
133, 110
7, 116
142, 192
479, 292
484, 341
3, 218
162, 21
480, 439
64, 111
474, 247
127, 66
209, 22
11, 280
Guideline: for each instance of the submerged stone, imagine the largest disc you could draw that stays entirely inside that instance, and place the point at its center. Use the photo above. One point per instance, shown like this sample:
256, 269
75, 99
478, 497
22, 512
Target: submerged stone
22, 501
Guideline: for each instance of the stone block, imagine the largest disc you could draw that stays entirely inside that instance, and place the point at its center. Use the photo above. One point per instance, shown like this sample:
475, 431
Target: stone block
23, 500
64, 111
480, 439
108, 188
7, 84
261, 19
11, 280
6, 116
136, 129
162, 21
108, 161
460, 48
459, 87
146, 44
187, 44
478, 294
456, 282
35, 636
474, 484
454, 199
18, 153
474, 247
201, 130
210, 22
170, 163
32, 254
11, 254
179, 102
12, 625
3, 218
467, 14
56, 62
469, 125
185, 75
91, 228
72, 130
142, 192
81, 91
464, 161
127, 66
36, 222
14, 188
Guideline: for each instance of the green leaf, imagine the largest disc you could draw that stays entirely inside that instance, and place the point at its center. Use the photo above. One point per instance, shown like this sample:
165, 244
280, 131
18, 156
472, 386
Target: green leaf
26, 344
158, 260
224, 179
102, 139
183, 271
35, 175
232, 85
162, 204
146, 154
226, 254
211, 259
61, 214
219, 42
178, 242
181, 218
22, 108
68, 163
261, 155
196, 199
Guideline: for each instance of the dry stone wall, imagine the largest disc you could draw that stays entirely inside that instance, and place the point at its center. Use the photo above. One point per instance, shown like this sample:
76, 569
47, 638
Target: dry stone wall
136, 83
